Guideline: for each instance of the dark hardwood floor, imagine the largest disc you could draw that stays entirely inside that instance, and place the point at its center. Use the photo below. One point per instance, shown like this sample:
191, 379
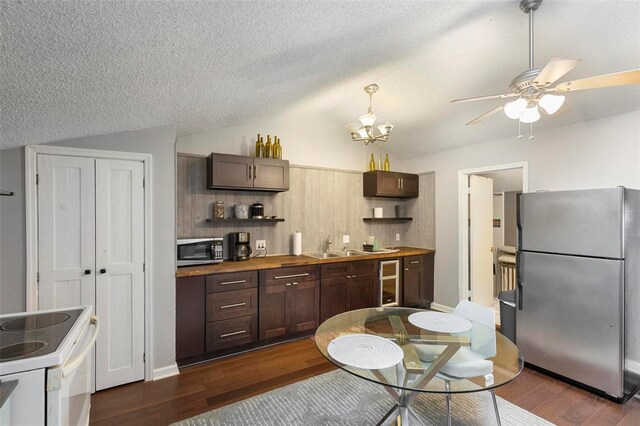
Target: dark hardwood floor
214, 384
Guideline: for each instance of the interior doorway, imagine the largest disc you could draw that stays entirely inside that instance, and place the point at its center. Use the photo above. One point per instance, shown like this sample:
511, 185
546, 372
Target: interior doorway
488, 231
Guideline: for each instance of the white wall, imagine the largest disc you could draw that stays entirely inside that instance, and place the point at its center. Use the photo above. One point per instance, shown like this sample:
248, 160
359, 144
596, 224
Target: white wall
158, 141
593, 154
306, 140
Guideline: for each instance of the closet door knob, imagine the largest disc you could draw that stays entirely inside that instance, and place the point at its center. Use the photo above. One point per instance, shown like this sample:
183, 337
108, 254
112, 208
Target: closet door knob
87, 271
103, 271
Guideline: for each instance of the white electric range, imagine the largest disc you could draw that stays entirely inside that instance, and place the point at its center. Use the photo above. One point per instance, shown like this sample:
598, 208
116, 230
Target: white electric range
45, 374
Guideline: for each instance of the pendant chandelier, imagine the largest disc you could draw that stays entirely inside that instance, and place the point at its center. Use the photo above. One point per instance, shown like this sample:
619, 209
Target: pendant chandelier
364, 130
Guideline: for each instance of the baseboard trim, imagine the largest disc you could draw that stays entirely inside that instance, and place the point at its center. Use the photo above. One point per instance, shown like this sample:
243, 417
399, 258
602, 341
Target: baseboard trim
441, 308
164, 372
634, 367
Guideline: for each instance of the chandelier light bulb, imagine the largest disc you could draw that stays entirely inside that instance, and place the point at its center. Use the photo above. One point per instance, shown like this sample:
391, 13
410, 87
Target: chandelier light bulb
551, 103
530, 115
353, 127
515, 108
383, 128
368, 119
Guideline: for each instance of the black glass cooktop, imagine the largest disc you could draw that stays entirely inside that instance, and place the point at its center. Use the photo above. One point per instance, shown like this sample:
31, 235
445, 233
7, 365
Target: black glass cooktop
30, 335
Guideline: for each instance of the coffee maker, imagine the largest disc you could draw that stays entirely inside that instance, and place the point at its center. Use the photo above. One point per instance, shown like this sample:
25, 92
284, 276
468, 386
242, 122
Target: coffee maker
239, 248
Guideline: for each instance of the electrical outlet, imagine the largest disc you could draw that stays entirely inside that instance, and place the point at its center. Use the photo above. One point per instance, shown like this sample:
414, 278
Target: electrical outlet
261, 244
345, 239
397, 237
372, 239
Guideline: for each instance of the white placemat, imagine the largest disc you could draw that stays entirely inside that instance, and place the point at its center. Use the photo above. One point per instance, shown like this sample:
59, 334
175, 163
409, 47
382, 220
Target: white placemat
440, 322
365, 351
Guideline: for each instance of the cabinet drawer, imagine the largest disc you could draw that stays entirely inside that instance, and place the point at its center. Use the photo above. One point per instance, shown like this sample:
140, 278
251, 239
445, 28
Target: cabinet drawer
413, 262
364, 267
334, 270
232, 281
231, 332
232, 304
281, 275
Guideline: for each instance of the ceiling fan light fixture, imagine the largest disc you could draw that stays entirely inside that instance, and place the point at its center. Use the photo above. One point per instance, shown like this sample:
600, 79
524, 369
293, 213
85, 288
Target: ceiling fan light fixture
530, 115
551, 103
515, 108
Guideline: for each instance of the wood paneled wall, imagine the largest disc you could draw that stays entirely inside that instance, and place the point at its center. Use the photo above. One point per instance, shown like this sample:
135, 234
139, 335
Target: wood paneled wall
319, 203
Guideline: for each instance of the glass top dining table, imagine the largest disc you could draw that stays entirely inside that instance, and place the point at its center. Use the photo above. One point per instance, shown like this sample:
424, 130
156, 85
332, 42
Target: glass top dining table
365, 343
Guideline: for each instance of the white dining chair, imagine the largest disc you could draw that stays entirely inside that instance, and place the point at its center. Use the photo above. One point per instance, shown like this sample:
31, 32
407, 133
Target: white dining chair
472, 362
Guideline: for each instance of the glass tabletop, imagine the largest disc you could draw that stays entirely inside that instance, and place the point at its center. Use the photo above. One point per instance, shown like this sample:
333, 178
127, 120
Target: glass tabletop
384, 346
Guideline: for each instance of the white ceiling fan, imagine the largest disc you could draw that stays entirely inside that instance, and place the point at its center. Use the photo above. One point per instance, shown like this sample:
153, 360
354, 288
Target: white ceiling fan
533, 87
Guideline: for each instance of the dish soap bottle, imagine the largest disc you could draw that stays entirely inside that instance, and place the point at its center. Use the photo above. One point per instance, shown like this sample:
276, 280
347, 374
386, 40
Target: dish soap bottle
387, 166
372, 164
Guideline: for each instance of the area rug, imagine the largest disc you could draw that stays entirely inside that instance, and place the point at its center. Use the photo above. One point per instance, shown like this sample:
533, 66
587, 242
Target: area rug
340, 399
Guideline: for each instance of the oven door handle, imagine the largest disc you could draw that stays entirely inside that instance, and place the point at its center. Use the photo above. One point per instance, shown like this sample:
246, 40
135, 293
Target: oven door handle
70, 367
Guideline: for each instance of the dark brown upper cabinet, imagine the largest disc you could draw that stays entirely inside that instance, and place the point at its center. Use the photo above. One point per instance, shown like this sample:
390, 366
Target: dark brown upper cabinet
378, 183
225, 171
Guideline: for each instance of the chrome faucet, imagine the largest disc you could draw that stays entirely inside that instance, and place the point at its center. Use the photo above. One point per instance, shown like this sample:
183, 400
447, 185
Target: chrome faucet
327, 244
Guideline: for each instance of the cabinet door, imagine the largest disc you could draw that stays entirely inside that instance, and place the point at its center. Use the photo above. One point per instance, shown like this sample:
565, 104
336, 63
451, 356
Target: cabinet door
274, 320
426, 290
333, 297
305, 306
229, 171
190, 317
272, 174
362, 291
411, 286
409, 185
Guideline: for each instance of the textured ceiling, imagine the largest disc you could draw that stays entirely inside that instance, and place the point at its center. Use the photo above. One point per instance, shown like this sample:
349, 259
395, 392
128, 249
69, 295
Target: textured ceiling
77, 68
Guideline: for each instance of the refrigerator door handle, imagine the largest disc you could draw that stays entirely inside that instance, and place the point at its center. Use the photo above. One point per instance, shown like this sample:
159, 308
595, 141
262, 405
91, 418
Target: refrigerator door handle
519, 278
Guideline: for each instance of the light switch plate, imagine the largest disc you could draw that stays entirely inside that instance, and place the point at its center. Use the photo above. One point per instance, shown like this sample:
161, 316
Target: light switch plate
345, 239
397, 237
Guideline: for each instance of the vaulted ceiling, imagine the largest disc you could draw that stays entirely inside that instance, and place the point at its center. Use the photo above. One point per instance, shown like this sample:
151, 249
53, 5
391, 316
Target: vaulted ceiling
78, 68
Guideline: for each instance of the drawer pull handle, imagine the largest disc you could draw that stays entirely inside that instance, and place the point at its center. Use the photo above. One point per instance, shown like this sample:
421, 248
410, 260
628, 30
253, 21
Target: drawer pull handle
233, 282
235, 333
235, 305
415, 261
348, 276
306, 274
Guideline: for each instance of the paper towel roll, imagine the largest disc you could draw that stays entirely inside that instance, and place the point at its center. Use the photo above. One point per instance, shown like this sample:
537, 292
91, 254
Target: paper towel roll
377, 212
297, 243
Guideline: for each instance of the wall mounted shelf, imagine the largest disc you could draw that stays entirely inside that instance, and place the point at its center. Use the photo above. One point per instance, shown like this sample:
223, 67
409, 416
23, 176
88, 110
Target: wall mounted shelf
234, 220
387, 219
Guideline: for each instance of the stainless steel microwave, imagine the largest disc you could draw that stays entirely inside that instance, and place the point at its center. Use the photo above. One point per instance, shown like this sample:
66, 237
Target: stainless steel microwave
199, 251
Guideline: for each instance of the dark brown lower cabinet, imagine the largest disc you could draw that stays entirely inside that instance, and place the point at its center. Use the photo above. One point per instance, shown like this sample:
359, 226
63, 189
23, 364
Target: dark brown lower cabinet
289, 302
347, 286
417, 286
190, 317
231, 332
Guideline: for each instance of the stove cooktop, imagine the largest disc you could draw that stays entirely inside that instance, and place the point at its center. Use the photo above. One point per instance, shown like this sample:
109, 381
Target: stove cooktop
31, 335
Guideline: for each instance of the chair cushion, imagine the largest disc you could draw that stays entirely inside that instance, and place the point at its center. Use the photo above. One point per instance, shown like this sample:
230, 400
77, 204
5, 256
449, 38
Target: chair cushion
466, 363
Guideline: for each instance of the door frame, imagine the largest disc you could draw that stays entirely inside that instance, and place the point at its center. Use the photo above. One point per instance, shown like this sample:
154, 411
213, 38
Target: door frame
31, 221
463, 216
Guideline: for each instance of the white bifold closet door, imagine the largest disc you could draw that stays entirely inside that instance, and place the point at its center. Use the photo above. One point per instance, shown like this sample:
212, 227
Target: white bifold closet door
119, 272
91, 252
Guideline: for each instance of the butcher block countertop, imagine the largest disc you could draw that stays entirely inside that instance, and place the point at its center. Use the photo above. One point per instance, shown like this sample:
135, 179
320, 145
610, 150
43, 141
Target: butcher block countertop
284, 261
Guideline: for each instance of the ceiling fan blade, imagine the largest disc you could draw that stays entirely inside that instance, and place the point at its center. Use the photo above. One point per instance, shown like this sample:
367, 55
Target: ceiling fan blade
599, 81
482, 98
485, 115
555, 69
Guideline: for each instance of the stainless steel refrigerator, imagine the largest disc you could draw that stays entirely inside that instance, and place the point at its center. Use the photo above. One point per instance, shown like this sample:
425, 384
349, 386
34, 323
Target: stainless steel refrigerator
578, 273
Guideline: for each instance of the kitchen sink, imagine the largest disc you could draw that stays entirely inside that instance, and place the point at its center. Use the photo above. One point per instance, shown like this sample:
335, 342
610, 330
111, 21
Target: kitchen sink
334, 254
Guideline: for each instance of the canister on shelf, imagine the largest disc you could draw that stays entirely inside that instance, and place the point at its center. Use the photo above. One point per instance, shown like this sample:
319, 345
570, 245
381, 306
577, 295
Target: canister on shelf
218, 210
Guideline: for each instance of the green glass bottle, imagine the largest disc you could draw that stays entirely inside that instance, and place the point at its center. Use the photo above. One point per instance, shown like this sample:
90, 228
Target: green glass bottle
268, 148
387, 166
259, 146
372, 164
